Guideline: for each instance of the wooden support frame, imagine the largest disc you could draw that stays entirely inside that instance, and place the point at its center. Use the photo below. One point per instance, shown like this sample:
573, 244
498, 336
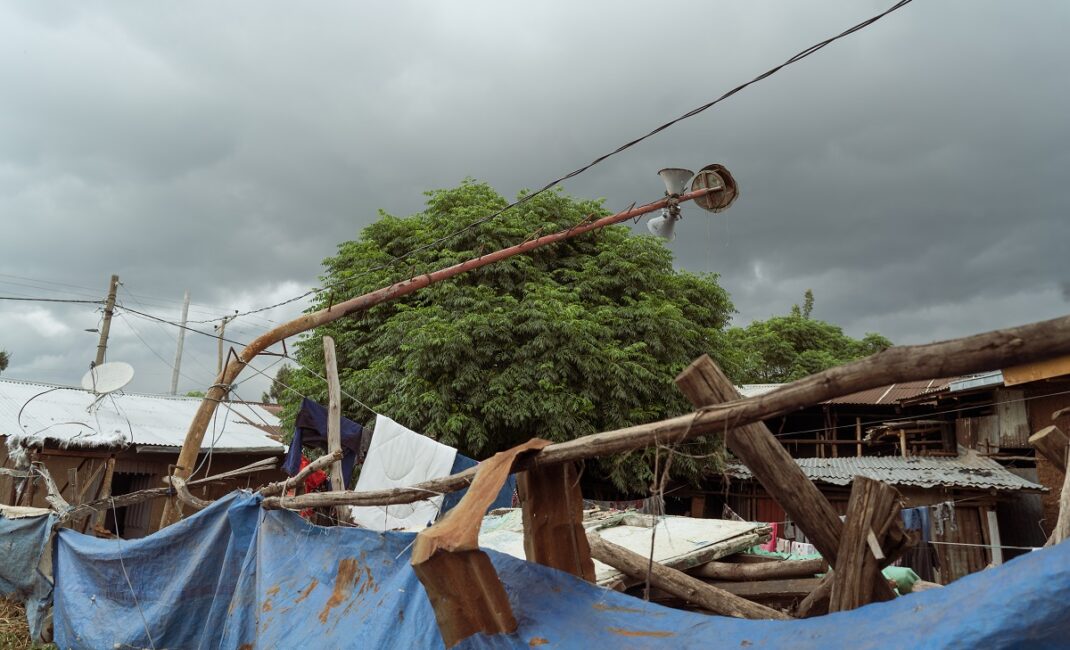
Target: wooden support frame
1052, 443
552, 509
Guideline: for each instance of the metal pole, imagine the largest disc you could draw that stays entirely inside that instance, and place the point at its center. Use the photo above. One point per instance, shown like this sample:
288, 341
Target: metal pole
181, 340
105, 327
218, 391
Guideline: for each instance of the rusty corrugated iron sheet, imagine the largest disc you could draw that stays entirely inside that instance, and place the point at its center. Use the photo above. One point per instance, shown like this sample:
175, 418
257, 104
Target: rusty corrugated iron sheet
971, 471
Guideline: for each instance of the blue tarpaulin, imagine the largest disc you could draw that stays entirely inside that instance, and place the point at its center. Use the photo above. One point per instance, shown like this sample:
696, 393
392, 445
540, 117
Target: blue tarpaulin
235, 576
22, 543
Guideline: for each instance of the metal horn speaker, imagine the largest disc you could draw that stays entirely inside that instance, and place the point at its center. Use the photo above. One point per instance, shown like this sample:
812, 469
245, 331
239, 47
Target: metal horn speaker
675, 179
663, 226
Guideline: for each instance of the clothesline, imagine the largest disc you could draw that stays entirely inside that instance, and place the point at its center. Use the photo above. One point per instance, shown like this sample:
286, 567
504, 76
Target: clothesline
1017, 548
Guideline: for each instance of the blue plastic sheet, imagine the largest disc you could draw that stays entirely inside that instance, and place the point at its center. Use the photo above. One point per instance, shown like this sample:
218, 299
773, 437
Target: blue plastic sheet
299, 584
22, 543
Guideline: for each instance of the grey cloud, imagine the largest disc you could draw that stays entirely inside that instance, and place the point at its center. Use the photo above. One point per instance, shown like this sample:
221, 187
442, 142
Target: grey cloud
912, 175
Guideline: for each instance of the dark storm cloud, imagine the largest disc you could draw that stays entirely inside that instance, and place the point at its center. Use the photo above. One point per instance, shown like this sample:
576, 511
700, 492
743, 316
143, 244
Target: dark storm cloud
912, 175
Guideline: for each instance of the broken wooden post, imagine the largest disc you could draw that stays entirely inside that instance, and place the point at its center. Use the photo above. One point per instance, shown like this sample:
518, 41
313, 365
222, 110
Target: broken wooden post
105, 491
1061, 531
677, 583
871, 511
334, 412
552, 509
705, 384
460, 581
1052, 443
762, 571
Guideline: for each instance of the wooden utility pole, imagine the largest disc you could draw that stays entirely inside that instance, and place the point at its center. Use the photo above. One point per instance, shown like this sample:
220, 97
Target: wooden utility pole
230, 371
222, 329
181, 340
105, 327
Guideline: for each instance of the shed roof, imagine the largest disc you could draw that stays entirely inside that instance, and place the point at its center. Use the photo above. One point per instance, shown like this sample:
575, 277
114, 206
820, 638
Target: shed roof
968, 471
60, 416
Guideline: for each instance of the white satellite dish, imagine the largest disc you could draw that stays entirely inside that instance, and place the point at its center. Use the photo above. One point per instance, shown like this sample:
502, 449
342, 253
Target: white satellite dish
108, 377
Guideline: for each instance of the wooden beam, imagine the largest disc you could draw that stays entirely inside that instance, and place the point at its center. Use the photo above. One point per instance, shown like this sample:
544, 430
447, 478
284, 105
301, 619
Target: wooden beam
858, 437
1061, 530
465, 591
870, 510
994, 542
104, 493
762, 571
677, 583
706, 385
762, 589
897, 364
1052, 443
552, 510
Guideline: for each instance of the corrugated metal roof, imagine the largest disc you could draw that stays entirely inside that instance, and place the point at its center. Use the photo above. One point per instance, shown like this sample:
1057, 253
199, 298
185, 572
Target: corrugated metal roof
884, 395
61, 415
970, 471
891, 394
753, 390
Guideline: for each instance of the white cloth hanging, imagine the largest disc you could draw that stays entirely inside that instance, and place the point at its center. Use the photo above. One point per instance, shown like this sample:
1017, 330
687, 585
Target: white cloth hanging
398, 457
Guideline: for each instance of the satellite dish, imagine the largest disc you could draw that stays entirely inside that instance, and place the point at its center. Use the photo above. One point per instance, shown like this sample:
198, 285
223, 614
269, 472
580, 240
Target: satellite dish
108, 377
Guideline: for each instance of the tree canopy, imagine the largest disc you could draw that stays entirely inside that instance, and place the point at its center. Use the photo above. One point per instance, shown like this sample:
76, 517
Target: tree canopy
279, 384
5, 358
786, 348
575, 338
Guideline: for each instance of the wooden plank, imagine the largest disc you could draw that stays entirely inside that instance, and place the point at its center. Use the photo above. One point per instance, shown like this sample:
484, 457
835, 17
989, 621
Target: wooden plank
871, 508
678, 583
765, 571
994, 542
1037, 370
759, 589
334, 413
858, 437
552, 507
72, 485
104, 492
1052, 443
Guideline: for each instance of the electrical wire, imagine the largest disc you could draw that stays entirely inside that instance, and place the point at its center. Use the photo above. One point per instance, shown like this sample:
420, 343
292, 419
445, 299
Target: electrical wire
61, 300
602, 158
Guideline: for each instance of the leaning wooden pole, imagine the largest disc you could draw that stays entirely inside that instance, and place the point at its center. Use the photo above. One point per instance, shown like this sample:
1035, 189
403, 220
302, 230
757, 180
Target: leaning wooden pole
187, 458
967, 355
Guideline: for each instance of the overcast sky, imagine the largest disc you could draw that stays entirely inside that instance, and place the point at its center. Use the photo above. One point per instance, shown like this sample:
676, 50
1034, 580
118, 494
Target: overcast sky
913, 175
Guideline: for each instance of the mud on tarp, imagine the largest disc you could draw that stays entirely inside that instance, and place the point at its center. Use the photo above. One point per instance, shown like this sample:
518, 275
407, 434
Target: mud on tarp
350, 588
23, 539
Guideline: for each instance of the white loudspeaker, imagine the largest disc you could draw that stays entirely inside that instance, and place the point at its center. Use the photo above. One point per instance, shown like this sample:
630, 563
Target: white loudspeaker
675, 179
663, 226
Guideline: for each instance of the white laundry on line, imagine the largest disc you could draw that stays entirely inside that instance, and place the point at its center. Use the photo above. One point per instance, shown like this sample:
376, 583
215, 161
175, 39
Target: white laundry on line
399, 457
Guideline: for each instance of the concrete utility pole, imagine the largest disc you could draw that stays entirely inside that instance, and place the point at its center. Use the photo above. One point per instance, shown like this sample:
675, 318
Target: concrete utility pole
181, 340
105, 327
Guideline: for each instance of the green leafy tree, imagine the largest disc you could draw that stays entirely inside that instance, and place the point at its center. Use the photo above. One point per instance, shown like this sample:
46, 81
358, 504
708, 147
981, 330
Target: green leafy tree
5, 358
279, 385
575, 338
786, 348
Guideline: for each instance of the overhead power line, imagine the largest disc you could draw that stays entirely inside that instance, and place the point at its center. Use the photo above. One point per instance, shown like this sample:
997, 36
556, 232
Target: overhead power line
62, 300
600, 159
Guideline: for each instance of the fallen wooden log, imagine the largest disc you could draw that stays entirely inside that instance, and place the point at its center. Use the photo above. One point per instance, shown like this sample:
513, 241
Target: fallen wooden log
762, 571
967, 355
771, 589
678, 583
184, 495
